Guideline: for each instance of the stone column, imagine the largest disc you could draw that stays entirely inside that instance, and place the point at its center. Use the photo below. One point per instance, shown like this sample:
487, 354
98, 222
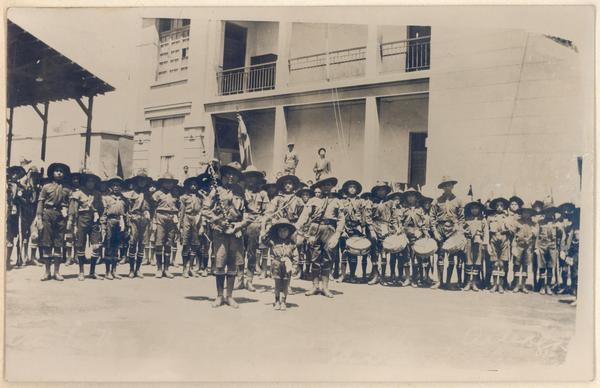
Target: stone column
214, 53
279, 140
371, 143
373, 59
282, 74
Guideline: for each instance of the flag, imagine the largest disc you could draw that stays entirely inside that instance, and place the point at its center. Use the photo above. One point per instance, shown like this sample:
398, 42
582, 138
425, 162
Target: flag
244, 141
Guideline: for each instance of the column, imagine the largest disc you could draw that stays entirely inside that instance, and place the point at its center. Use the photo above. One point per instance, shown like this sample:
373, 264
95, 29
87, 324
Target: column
284, 36
372, 62
279, 140
371, 142
214, 53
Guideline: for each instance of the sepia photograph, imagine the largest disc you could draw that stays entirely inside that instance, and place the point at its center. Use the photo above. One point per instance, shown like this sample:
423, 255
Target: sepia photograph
300, 194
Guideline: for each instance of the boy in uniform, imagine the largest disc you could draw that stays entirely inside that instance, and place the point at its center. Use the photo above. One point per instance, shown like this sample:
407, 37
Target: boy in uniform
477, 234
395, 202
447, 217
546, 247
115, 213
85, 210
165, 215
190, 224
366, 197
52, 210
14, 198
225, 210
414, 225
571, 250
305, 194
354, 210
31, 191
139, 219
285, 254
379, 218
524, 233
568, 210
204, 182
256, 205
324, 219
498, 247
290, 160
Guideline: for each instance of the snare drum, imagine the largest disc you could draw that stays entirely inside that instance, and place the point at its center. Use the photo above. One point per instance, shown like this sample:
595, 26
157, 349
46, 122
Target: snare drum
425, 247
358, 246
455, 243
395, 243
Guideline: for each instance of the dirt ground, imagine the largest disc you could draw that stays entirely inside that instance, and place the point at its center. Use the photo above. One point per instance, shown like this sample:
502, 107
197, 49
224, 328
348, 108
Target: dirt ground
165, 330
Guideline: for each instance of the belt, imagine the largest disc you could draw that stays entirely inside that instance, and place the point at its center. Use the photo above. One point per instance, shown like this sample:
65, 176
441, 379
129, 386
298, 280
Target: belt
328, 222
113, 216
171, 212
52, 207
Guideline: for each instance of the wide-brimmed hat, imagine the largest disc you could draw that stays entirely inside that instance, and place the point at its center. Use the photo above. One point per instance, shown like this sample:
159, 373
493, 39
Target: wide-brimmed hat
252, 171
494, 203
292, 178
537, 203
167, 177
447, 180
366, 195
301, 191
269, 186
58, 166
334, 193
349, 183
393, 195
412, 191
516, 199
474, 204
140, 177
281, 225
290, 144
232, 168
378, 186
236, 189
550, 211
331, 181
16, 170
425, 200
88, 176
567, 208
189, 181
526, 212
115, 179
204, 181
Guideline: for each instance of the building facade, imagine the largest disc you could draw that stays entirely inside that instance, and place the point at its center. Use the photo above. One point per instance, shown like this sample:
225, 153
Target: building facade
404, 104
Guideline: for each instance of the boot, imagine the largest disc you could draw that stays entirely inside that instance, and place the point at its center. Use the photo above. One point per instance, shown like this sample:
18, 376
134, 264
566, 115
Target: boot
501, 280
517, 276
186, 263
542, 280
468, 279
407, 277
81, 262
475, 279
167, 274
220, 280
239, 279
114, 270
47, 275
229, 298
342, 276
138, 266
449, 273
375, 279
108, 275
549, 282
159, 266
131, 274
494, 283
325, 288
283, 303
315, 288
249, 285
263, 268
459, 274
382, 279
57, 275
440, 272
93, 264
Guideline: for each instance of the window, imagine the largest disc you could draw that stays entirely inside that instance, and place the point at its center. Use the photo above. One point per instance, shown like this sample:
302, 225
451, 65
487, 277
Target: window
174, 37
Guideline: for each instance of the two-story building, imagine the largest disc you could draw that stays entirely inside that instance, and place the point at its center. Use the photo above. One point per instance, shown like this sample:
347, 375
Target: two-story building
497, 109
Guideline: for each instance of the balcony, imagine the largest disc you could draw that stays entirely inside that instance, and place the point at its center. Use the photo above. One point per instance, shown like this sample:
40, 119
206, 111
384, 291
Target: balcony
246, 79
333, 65
408, 54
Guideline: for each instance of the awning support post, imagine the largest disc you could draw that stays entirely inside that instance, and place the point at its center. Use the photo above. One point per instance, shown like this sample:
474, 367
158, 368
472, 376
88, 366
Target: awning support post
88, 129
9, 120
44, 116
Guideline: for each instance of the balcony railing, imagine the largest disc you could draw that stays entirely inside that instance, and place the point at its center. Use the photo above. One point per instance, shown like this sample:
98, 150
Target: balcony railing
246, 79
416, 50
335, 58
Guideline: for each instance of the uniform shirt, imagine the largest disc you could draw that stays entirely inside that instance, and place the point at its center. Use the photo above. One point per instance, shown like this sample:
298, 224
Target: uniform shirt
396, 221
164, 201
290, 160
412, 219
55, 195
190, 204
354, 211
83, 201
138, 202
284, 206
256, 203
447, 208
524, 233
499, 224
223, 206
477, 229
571, 246
322, 168
320, 211
284, 250
548, 235
13, 194
115, 205
379, 218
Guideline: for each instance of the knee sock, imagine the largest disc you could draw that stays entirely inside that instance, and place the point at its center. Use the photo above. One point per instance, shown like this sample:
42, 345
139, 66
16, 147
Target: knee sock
220, 280
277, 289
81, 261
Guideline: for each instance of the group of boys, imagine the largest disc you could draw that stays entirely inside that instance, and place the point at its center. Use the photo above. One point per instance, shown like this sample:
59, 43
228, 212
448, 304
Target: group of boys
240, 222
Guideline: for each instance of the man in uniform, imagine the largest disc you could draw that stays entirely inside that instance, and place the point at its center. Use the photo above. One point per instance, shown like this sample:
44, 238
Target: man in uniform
150, 232
354, 210
498, 247
166, 209
305, 194
324, 220
225, 210
139, 219
546, 246
52, 210
524, 232
447, 217
290, 160
190, 224
204, 182
379, 219
69, 253
31, 191
15, 208
115, 213
322, 167
256, 205
85, 210
477, 233
415, 227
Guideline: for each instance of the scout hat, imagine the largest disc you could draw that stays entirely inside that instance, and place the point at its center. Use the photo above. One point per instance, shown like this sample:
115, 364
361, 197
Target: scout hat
334, 193
549, 211
291, 178
252, 171
349, 183
16, 170
474, 204
516, 199
366, 195
236, 189
538, 204
115, 179
88, 176
167, 177
141, 176
303, 190
290, 144
274, 231
177, 190
331, 181
412, 191
204, 181
395, 194
232, 168
425, 200
58, 166
378, 186
494, 203
446, 180
269, 187
526, 212
189, 181
567, 208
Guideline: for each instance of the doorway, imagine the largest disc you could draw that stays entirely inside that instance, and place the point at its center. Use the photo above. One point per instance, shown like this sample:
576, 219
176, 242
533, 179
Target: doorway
227, 145
417, 159
234, 58
417, 57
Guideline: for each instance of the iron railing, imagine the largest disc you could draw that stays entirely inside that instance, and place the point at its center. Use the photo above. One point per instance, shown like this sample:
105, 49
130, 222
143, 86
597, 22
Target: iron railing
416, 50
335, 58
246, 79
